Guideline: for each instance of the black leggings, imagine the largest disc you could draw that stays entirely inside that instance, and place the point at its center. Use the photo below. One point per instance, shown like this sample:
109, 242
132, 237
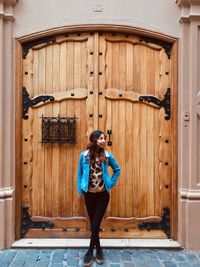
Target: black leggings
96, 204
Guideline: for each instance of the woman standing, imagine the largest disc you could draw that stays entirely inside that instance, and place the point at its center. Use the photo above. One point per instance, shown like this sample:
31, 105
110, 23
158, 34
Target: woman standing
95, 183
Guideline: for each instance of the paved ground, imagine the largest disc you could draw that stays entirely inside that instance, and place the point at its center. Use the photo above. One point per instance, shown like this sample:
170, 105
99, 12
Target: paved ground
114, 258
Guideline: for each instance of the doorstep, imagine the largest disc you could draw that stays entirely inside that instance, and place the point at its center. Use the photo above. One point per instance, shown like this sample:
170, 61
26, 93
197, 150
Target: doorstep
82, 243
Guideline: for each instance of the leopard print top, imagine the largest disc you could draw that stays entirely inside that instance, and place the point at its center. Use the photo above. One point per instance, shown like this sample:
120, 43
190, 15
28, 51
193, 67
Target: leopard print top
96, 183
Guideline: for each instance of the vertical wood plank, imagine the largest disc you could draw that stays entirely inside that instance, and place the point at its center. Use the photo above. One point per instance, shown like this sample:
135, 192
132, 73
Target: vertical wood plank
77, 84
55, 152
143, 135
90, 112
26, 135
157, 135
41, 159
70, 112
122, 130
34, 129
129, 161
83, 137
136, 132
62, 148
115, 125
48, 148
165, 134
96, 81
108, 84
102, 83
150, 134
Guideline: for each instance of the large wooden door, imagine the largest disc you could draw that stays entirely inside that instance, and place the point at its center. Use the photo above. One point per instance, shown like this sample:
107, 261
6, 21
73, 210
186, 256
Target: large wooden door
96, 80
133, 69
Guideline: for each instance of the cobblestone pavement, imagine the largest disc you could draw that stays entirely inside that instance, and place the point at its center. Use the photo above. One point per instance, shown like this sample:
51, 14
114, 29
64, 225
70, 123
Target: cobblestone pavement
113, 258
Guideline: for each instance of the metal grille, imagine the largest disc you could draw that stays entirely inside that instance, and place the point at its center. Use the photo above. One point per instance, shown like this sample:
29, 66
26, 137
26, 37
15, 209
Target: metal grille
58, 130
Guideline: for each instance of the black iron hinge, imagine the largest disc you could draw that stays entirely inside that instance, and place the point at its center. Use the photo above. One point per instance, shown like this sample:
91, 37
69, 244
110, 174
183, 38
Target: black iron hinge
166, 45
164, 224
165, 103
27, 46
27, 223
27, 102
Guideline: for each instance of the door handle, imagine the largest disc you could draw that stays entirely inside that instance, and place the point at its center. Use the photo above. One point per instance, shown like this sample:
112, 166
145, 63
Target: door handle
109, 132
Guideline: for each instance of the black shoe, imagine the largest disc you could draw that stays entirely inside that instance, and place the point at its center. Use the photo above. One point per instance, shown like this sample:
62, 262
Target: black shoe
87, 259
99, 256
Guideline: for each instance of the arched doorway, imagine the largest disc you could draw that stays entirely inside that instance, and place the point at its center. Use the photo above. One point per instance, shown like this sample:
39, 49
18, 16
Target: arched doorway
111, 78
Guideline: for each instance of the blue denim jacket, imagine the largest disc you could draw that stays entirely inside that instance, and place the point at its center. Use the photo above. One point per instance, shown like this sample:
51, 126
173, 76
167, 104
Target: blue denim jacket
84, 171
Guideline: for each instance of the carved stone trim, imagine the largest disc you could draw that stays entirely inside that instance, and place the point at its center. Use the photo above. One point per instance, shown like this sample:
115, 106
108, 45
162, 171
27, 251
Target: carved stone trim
3, 15
6, 192
190, 17
189, 194
7, 17
187, 3
9, 2
190, 10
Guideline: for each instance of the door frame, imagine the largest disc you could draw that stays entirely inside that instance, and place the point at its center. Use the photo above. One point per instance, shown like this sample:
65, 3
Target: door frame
18, 105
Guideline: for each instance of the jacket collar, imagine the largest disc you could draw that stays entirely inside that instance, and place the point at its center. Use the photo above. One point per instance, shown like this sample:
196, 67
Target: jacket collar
85, 153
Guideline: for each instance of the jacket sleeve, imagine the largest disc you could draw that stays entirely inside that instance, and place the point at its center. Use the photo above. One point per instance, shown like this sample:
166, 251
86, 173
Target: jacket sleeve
79, 174
116, 169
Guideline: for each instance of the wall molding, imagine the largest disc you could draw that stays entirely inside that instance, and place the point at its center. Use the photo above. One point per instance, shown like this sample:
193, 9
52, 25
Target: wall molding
190, 10
189, 126
6, 192
189, 194
187, 3
189, 18
7, 17
9, 2
6, 9
93, 28
7, 149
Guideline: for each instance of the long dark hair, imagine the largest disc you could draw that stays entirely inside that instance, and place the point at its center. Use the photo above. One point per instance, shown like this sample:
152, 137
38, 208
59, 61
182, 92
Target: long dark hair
94, 149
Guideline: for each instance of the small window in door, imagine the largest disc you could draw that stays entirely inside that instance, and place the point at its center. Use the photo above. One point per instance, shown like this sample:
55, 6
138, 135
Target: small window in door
58, 130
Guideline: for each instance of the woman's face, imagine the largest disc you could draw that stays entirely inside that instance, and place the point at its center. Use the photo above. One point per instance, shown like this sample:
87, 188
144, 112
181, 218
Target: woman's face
101, 142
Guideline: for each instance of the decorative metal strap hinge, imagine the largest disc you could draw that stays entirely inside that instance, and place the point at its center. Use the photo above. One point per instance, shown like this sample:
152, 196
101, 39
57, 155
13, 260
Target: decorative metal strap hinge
27, 102
43, 40
165, 103
27, 223
164, 224
167, 46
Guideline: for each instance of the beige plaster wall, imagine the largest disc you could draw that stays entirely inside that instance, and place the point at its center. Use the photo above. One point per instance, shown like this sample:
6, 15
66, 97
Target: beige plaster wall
33, 16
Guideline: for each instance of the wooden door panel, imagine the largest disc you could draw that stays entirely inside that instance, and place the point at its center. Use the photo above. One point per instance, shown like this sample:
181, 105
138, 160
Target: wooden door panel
140, 134
138, 175
49, 187
98, 79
